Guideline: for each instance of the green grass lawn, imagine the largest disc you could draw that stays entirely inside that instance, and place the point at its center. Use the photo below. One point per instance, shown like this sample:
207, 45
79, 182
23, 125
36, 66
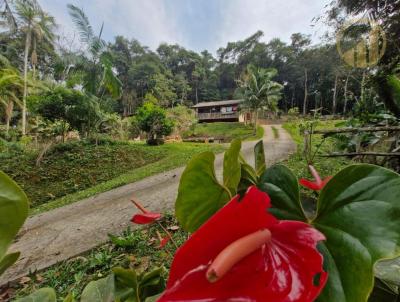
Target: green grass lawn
226, 131
73, 171
326, 166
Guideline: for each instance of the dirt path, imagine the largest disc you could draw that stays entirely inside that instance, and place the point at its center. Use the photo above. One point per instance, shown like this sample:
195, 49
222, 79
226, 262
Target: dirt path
71, 230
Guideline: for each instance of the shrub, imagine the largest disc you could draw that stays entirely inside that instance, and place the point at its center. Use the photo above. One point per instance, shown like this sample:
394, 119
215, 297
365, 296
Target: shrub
153, 120
80, 111
183, 118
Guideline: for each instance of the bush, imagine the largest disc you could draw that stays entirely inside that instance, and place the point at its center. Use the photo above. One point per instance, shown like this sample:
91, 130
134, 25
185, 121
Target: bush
132, 126
153, 120
184, 118
80, 111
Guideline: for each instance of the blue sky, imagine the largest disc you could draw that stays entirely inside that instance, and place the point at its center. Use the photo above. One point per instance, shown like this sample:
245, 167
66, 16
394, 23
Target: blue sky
194, 24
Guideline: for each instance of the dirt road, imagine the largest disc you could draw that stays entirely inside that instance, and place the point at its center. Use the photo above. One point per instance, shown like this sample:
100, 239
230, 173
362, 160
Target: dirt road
71, 230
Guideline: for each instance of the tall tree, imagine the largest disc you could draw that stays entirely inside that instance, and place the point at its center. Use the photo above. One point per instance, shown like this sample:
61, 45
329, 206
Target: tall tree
33, 22
10, 86
260, 91
96, 62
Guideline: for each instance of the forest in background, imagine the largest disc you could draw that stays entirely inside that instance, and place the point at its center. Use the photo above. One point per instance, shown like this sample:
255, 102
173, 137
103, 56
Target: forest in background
123, 72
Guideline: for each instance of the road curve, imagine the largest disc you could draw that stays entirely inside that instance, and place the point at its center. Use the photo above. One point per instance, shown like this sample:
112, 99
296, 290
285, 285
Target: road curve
65, 232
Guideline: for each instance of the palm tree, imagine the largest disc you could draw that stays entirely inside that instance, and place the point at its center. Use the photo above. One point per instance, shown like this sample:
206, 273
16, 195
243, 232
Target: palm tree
10, 85
96, 63
36, 26
259, 91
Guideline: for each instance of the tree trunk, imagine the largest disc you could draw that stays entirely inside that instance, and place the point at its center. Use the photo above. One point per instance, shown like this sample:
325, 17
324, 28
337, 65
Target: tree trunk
255, 121
305, 92
334, 101
9, 111
346, 86
27, 43
197, 96
293, 94
362, 96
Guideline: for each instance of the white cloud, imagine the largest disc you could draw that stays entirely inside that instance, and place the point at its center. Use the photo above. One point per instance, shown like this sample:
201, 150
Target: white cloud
148, 21
276, 18
172, 21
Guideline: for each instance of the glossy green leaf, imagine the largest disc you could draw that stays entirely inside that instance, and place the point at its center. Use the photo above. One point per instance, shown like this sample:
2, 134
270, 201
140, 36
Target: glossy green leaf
282, 186
101, 290
232, 167
248, 177
7, 261
199, 194
126, 284
13, 211
152, 283
359, 213
259, 158
46, 294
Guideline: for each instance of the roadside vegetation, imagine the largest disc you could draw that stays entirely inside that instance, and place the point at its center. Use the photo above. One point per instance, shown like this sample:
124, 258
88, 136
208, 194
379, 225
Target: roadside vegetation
135, 248
297, 161
75, 170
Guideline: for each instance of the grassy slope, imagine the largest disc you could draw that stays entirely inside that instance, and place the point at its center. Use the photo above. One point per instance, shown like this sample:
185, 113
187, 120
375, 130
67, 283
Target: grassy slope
76, 171
326, 166
228, 131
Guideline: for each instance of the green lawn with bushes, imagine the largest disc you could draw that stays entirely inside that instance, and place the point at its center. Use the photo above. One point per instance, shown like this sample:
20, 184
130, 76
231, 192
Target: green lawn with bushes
75, 170
224, 130
327, 166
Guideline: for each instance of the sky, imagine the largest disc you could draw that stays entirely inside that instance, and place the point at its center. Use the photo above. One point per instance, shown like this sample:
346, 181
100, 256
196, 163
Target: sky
194, 24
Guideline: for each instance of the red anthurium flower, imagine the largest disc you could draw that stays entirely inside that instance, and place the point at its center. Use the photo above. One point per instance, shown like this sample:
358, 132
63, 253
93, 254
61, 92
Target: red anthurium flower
316, 185
243, 253
146, 217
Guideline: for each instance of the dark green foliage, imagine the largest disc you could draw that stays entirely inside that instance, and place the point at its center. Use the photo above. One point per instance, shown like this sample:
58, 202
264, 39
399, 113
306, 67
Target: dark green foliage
153, 120
72, 106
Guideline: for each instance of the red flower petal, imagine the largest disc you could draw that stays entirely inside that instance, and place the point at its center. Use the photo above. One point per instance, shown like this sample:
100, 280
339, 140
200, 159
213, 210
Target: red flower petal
310, 184
145, 218
282, 271
163, 242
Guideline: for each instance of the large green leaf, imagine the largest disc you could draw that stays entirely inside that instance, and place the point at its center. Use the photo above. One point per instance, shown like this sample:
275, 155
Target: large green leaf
101, 290
13, 211
152, 283
126, 284
282, 186
199, 195
259, 158
7, 261
46, 294
232, 167
358, 212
